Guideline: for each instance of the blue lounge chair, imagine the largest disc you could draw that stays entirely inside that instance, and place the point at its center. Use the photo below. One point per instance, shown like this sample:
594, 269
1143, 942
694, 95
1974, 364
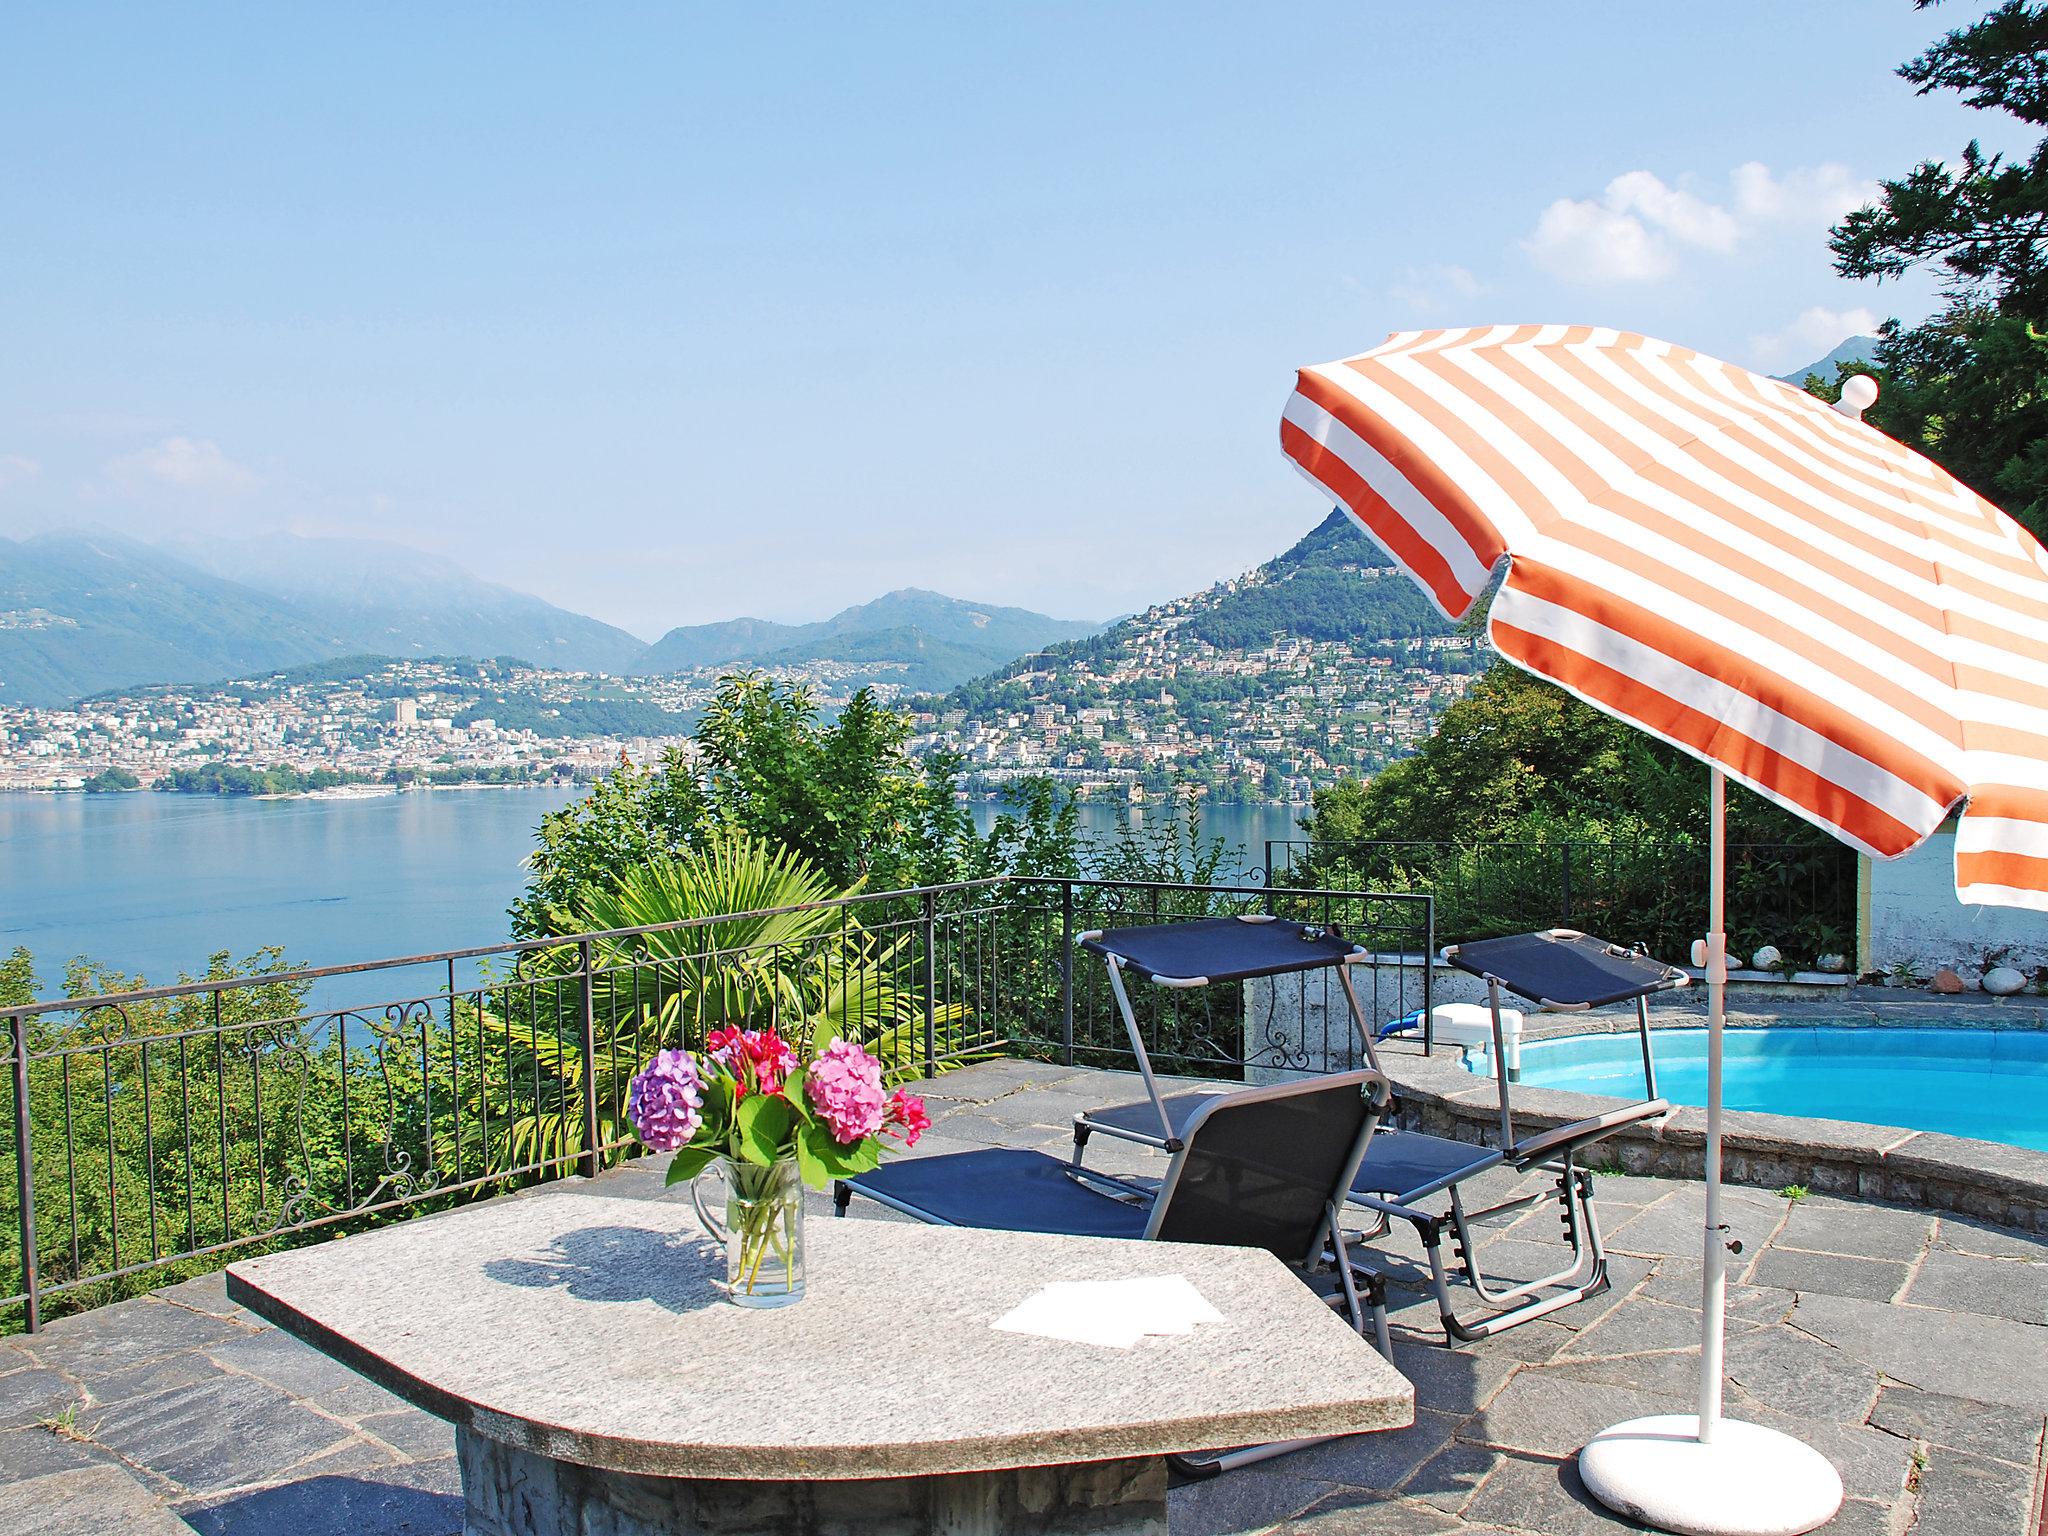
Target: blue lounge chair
1404, 1172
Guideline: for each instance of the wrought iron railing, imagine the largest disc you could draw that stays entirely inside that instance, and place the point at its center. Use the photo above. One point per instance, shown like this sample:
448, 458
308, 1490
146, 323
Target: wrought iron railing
1797, 897
152, 1132
1216, 1031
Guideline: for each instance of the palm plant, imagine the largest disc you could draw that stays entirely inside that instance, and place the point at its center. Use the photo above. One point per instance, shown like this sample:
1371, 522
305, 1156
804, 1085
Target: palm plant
735, 934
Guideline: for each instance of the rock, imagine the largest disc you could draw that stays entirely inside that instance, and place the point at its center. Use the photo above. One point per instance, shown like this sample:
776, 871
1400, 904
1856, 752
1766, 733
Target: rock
2003, 980
1834, 965
1945, 981
1766, 959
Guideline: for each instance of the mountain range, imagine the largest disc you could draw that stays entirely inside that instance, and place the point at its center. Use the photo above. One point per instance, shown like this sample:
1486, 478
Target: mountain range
1332, 584
383, 599
1855, 350
85, 612
923, 640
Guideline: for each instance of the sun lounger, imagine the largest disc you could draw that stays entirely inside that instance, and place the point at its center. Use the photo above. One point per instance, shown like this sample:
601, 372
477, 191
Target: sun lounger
1207, 952
1560, 970
1255, 1167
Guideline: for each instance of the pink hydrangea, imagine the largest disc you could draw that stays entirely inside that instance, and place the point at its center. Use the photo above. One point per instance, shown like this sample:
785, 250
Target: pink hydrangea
665, 1101
845, 1088
906, 1117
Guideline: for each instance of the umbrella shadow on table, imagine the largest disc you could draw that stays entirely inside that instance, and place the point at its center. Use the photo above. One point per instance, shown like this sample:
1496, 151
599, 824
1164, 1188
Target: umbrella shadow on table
674, 1270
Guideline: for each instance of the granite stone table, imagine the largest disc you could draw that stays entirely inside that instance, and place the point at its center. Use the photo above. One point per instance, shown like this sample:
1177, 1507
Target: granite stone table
600, 1384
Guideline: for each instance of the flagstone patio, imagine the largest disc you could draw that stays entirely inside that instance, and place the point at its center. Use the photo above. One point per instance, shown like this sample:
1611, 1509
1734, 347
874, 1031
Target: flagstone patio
1912, 1348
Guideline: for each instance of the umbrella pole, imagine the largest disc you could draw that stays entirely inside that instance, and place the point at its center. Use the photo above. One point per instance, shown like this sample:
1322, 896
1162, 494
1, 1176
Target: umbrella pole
1714, 1257
1702, 1474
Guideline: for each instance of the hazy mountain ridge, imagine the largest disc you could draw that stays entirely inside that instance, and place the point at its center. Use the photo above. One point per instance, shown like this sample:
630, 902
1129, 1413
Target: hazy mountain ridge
385, 599
919, 639
82, 613
690, 646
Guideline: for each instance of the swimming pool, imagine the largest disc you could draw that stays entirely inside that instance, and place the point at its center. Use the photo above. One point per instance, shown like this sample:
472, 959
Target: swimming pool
1988, 1083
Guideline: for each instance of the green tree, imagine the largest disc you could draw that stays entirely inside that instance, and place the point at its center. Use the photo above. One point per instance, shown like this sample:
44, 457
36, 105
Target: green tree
1519, 757
838, 794
631, 816
219, 778
845, 795
1969, 385
1521, 782
160, 1125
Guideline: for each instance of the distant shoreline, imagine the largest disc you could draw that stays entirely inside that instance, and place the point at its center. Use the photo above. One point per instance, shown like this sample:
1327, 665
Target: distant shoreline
338, 792
1163, 803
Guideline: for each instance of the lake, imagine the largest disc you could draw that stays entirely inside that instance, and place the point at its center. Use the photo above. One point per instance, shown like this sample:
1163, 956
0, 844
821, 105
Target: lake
153, 884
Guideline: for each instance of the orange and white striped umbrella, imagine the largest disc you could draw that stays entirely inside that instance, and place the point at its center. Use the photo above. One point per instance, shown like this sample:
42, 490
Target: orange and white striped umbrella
1721, 560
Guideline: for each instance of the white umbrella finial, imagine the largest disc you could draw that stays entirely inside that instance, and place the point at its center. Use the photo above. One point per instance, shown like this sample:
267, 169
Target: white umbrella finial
1859, 394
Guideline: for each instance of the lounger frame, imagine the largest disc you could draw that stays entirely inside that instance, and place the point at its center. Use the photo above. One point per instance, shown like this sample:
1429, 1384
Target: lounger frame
1167, 1139
1557, 1150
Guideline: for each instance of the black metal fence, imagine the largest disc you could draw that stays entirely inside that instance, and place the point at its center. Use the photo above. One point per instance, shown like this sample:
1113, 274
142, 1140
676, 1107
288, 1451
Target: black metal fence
1217, 1031
152, 1132
1799, 897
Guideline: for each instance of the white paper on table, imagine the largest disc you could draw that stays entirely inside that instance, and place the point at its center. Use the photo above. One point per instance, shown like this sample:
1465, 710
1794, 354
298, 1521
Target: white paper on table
1113, 1313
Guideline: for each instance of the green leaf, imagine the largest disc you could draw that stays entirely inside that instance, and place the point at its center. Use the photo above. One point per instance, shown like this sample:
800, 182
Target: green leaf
688, 1162
717, 1109
864, 1156
808, 1166
839, 1161
798, 1097
763, 1121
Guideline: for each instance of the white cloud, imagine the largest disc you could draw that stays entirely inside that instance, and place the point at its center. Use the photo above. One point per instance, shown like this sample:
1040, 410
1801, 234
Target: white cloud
1641, 226
1817, 195
192, 464
16, 468
1591, 242
1429, 287
1685, 217
1813, 333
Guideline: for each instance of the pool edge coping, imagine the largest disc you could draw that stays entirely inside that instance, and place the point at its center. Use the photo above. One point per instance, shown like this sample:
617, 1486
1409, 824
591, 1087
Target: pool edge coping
1930, 1170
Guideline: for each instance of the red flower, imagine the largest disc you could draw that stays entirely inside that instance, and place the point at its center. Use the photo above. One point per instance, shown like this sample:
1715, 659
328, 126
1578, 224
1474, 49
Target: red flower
757, 1059
905, 1116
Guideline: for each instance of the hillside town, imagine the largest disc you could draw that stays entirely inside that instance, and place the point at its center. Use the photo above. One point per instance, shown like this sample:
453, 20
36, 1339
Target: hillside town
1311, 665
1160, 709
393, 724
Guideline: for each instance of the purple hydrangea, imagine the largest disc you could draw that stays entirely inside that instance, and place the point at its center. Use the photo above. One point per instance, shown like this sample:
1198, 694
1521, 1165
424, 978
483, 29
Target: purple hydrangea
845, 1085
665, 1101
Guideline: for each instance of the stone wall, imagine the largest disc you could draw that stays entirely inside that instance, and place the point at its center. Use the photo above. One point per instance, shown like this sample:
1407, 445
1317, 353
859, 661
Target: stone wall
508, 1491
1910, 916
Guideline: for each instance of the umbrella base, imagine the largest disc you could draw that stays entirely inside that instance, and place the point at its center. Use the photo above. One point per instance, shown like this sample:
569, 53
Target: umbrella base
1750, 1481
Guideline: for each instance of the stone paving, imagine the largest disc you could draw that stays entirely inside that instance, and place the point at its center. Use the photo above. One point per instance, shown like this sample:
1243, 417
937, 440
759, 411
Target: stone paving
1911, 1348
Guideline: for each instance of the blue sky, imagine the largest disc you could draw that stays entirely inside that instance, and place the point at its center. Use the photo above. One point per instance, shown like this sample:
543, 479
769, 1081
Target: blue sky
675, 313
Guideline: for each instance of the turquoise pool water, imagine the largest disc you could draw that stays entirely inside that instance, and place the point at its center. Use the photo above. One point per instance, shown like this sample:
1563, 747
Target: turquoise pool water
1988, 1083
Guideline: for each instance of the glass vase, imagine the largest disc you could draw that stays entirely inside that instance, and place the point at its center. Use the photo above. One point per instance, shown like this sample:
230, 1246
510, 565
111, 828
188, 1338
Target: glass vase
762, 1229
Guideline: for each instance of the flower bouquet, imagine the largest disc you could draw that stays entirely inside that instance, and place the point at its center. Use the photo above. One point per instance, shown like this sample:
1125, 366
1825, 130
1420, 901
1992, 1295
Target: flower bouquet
771, 1123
